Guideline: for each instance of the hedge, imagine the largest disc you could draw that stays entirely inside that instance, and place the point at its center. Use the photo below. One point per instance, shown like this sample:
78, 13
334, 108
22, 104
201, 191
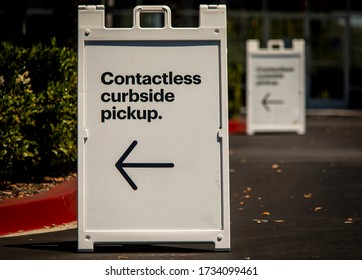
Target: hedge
38, 92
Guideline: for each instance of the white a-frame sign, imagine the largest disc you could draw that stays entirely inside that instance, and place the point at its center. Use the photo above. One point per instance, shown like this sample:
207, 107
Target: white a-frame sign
153, 130
275, 87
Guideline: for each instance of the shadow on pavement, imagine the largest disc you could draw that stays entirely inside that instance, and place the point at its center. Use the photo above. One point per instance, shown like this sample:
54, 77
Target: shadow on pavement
71, 247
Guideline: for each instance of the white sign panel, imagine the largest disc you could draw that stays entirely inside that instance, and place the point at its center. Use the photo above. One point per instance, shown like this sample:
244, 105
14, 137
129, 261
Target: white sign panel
275, 87
153, 145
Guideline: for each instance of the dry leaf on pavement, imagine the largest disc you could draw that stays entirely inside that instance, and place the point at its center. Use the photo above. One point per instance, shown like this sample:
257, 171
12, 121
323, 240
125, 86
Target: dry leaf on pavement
319, 208
308, 195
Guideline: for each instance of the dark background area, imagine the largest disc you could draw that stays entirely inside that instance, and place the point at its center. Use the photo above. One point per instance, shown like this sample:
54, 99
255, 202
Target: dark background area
332, 31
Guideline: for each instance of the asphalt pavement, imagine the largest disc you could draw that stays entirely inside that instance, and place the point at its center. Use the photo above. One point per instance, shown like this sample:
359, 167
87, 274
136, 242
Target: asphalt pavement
292, 197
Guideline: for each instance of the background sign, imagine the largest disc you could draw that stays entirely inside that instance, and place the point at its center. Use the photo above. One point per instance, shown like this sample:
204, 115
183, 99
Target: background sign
275, 87
153, 158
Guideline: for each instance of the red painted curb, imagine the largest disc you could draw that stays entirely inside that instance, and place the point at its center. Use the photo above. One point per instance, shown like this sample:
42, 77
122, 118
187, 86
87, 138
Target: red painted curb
54, 207
237, 126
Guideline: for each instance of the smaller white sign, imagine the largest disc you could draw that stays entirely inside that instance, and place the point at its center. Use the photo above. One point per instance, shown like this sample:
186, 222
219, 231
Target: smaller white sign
275, 87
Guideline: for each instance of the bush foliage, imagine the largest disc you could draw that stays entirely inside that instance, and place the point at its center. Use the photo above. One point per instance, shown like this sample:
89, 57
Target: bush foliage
38, 92
235, 72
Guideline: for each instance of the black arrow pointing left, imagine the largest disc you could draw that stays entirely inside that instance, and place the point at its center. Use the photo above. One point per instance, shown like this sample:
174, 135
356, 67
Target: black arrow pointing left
266, 101
120, 165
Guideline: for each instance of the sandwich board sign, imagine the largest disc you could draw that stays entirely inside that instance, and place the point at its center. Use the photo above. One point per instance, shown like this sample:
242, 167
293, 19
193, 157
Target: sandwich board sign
153, 162
275, 87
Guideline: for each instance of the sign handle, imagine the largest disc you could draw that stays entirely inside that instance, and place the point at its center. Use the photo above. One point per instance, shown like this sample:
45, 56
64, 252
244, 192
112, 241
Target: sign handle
151, 9
275, 44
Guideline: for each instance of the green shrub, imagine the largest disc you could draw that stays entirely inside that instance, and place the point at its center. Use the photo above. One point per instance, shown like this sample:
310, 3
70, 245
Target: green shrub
235, 72
38, 92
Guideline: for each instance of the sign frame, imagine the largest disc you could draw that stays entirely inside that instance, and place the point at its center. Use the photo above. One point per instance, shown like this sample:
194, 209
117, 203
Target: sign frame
92, 30
273, 106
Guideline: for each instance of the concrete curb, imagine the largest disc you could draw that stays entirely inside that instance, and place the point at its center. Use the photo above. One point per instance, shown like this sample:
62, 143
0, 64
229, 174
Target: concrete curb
54, 207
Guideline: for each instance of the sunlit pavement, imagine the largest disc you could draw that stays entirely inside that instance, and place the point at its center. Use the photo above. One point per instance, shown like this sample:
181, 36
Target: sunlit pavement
292, 197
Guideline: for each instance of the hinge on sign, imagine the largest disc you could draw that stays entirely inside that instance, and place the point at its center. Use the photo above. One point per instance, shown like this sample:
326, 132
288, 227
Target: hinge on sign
221, 134
212, 6
213, 16
85, 135
91, 7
